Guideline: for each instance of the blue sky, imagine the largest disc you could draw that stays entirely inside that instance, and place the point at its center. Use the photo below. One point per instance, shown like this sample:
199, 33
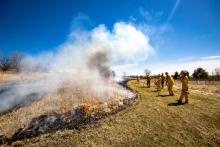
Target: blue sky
179, 29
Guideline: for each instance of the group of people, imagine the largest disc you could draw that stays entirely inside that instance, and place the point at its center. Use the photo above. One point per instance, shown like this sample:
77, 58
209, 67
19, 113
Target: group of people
169, 81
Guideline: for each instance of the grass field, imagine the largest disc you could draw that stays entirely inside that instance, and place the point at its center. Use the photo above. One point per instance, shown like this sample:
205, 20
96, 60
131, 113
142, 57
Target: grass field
151, 122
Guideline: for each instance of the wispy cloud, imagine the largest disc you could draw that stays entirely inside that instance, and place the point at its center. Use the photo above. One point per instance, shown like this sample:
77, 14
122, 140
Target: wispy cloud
186, 59
210, 57
146, 14
208, 63
172, 12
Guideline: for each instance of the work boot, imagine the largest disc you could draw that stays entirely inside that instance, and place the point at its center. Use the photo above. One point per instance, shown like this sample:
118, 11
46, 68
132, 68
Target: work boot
179, 102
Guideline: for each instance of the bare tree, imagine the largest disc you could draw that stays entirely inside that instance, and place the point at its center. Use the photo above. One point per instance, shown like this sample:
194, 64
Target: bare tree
124, 74
217, 71
147, 72
15, 60
12, 62
4, 64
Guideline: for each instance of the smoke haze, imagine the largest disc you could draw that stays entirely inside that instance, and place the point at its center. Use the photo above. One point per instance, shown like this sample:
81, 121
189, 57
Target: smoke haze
85, 58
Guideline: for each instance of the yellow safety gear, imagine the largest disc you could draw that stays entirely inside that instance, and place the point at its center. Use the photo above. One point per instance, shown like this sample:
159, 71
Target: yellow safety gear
169, 80
170, 83
158, 83
185, 81
184, 92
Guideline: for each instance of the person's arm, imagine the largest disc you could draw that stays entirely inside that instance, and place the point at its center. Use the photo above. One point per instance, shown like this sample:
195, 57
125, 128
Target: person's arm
166, 80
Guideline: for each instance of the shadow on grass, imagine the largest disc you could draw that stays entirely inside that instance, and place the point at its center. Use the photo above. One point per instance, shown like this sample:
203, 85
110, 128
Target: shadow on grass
143, 87
154, 91
176, 104
164, 95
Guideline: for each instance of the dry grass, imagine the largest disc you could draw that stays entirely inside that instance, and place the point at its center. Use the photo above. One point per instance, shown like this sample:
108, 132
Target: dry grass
65, 99
212, 88
10, 76
149, 123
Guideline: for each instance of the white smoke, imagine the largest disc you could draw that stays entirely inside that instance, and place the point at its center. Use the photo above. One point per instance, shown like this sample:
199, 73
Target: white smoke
125, 43
73, 59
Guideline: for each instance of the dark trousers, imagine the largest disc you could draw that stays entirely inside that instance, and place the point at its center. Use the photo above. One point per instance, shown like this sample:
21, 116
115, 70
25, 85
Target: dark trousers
148, 83
162, 83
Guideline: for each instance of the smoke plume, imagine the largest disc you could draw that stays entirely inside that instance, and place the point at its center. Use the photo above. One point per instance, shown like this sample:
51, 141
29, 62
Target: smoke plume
85, 57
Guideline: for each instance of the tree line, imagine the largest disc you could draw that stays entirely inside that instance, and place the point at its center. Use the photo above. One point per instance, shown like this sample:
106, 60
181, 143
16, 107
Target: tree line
11, 62
198, 74
201, 74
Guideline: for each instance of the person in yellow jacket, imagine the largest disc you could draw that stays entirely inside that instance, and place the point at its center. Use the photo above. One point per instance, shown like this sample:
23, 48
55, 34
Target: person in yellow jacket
158, 84
184, 79
169, 82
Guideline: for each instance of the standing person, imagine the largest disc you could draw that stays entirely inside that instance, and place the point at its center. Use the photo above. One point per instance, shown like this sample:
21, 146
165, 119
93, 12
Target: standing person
162, 80
169, 83
158, 85
148, 81
184, 79
138, 79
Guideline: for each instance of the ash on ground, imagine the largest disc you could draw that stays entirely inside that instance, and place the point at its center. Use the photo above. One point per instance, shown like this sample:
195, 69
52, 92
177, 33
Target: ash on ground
82, 115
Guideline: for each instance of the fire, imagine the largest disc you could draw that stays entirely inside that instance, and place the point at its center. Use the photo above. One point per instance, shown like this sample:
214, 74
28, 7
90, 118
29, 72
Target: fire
71, 106
92, 109
87, 107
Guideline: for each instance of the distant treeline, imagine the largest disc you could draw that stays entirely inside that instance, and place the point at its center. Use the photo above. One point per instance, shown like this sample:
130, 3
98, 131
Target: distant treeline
11, 62
199, 74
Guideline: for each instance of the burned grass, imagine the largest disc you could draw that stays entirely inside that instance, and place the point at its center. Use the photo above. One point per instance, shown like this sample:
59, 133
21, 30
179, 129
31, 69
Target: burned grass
65, 111
75, 119
149, 123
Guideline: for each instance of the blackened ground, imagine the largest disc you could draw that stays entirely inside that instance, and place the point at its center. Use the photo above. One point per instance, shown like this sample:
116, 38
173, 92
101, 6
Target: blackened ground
152, 122
75, 119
